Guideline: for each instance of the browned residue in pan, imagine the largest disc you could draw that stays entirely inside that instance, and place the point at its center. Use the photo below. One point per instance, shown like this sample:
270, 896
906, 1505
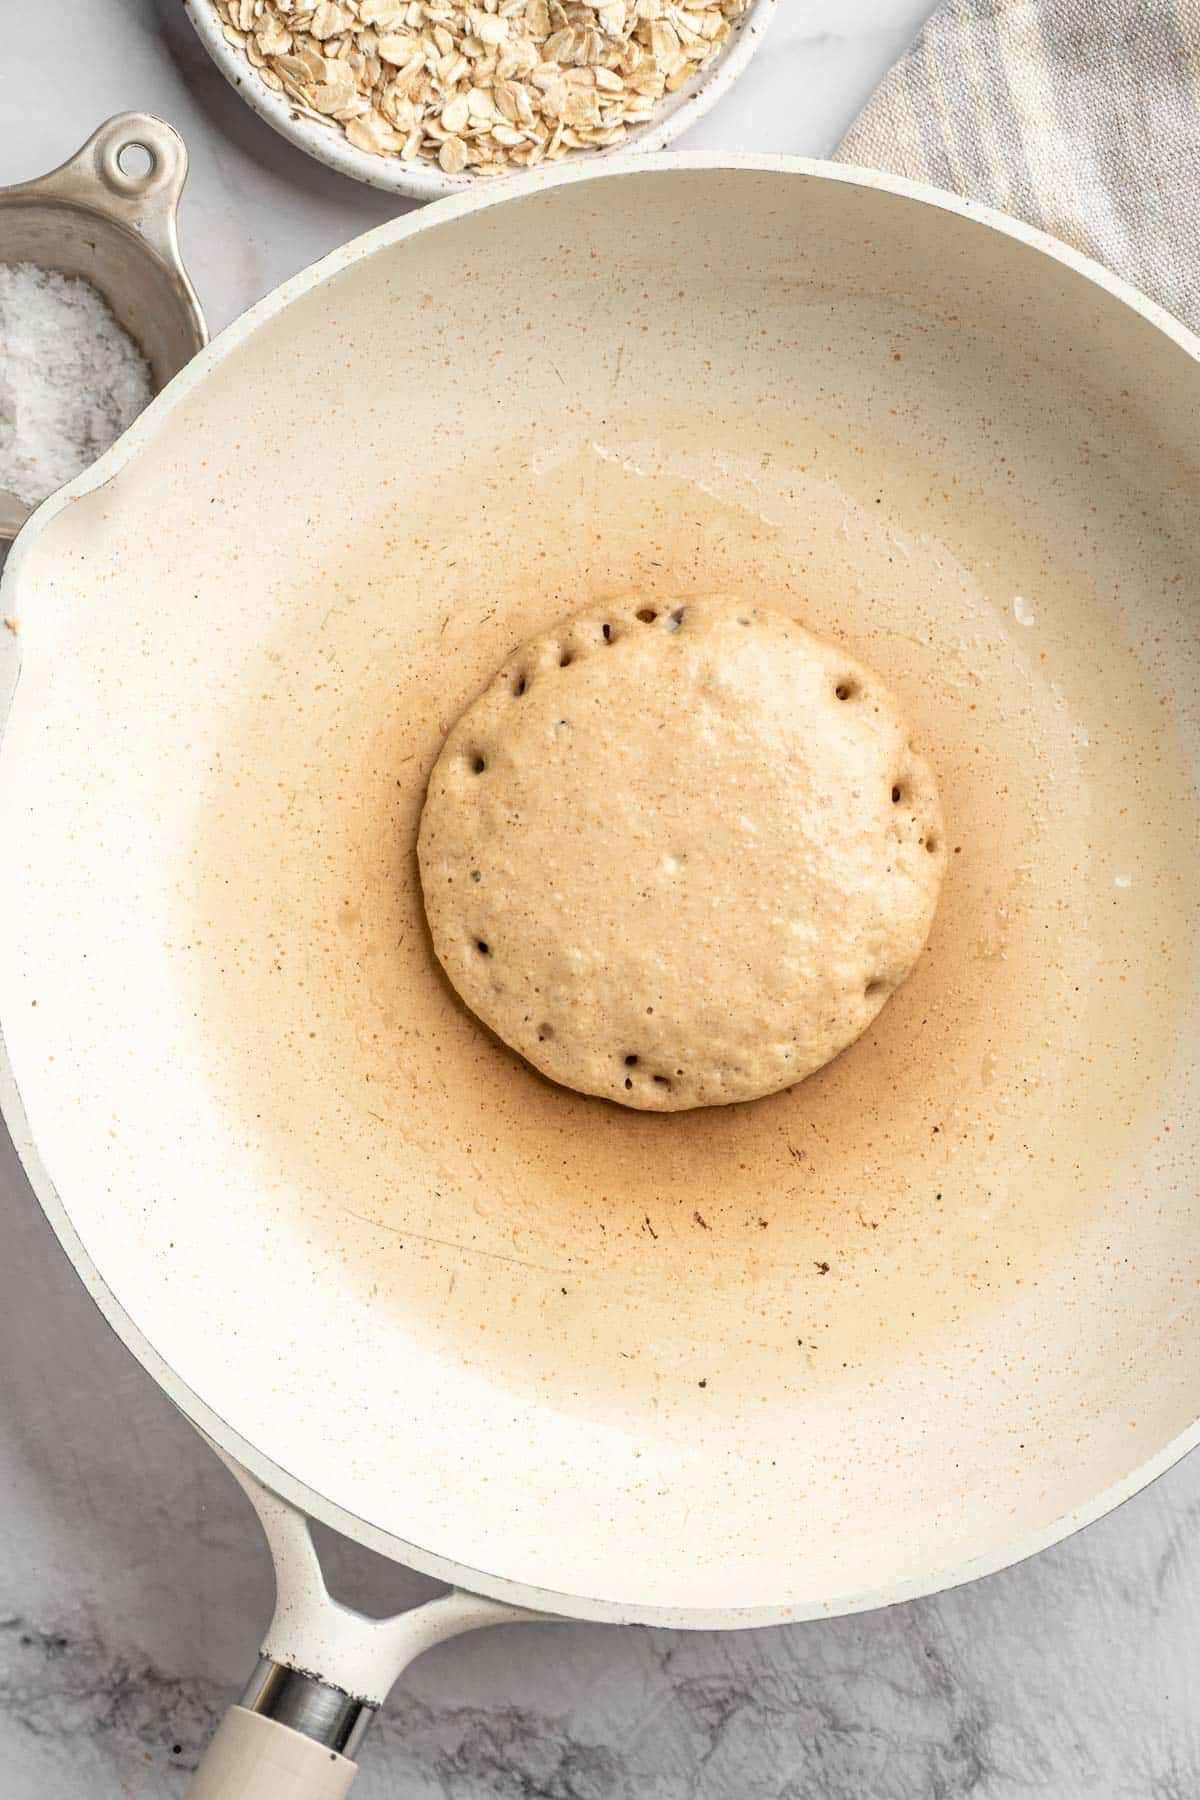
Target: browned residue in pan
788, 1246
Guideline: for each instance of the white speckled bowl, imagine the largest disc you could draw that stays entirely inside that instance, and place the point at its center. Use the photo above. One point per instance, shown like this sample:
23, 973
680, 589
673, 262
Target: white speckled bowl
425, 180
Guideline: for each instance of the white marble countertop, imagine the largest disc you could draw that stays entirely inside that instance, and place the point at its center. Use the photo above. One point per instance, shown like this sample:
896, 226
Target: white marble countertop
133, 1584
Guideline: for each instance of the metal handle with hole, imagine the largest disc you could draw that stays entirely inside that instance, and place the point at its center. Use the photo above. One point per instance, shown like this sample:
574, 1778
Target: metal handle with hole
142, 200
114, 226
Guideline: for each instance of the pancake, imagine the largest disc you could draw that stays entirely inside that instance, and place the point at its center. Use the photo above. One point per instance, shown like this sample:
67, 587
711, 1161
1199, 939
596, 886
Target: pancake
680, 854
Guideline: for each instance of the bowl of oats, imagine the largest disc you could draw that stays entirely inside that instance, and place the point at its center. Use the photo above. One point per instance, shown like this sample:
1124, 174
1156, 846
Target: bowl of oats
421, 97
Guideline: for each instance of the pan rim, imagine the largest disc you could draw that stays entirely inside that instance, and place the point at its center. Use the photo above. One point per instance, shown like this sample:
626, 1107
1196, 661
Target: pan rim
273, 1475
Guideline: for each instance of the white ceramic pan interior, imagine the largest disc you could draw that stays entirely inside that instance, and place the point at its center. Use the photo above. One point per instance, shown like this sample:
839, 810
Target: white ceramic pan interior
912, 1319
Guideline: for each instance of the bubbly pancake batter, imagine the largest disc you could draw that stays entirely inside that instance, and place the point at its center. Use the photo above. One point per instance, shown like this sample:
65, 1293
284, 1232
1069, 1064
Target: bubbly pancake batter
678, 854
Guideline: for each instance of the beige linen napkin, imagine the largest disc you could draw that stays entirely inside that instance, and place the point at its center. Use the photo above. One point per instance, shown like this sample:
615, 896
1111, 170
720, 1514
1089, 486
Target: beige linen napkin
1079, 116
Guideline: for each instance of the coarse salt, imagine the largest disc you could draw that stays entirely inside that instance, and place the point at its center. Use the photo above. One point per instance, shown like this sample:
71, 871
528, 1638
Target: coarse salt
71, 380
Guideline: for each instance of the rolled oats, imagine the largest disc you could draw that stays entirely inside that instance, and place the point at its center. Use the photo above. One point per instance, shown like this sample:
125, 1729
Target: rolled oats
480, 87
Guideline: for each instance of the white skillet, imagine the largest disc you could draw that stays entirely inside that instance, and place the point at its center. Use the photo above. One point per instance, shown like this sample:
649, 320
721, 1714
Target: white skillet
929, 1311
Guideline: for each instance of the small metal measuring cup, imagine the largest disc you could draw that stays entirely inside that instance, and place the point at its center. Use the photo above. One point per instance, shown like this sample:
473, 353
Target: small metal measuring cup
116, 228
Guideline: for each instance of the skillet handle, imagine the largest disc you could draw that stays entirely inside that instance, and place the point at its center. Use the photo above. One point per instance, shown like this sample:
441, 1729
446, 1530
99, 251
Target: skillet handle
255, 1758
323, 1673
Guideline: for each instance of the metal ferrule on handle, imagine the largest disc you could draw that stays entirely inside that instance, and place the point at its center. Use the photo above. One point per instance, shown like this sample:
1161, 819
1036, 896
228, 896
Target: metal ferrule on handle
323, 1673
305, 1703
293, 1737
